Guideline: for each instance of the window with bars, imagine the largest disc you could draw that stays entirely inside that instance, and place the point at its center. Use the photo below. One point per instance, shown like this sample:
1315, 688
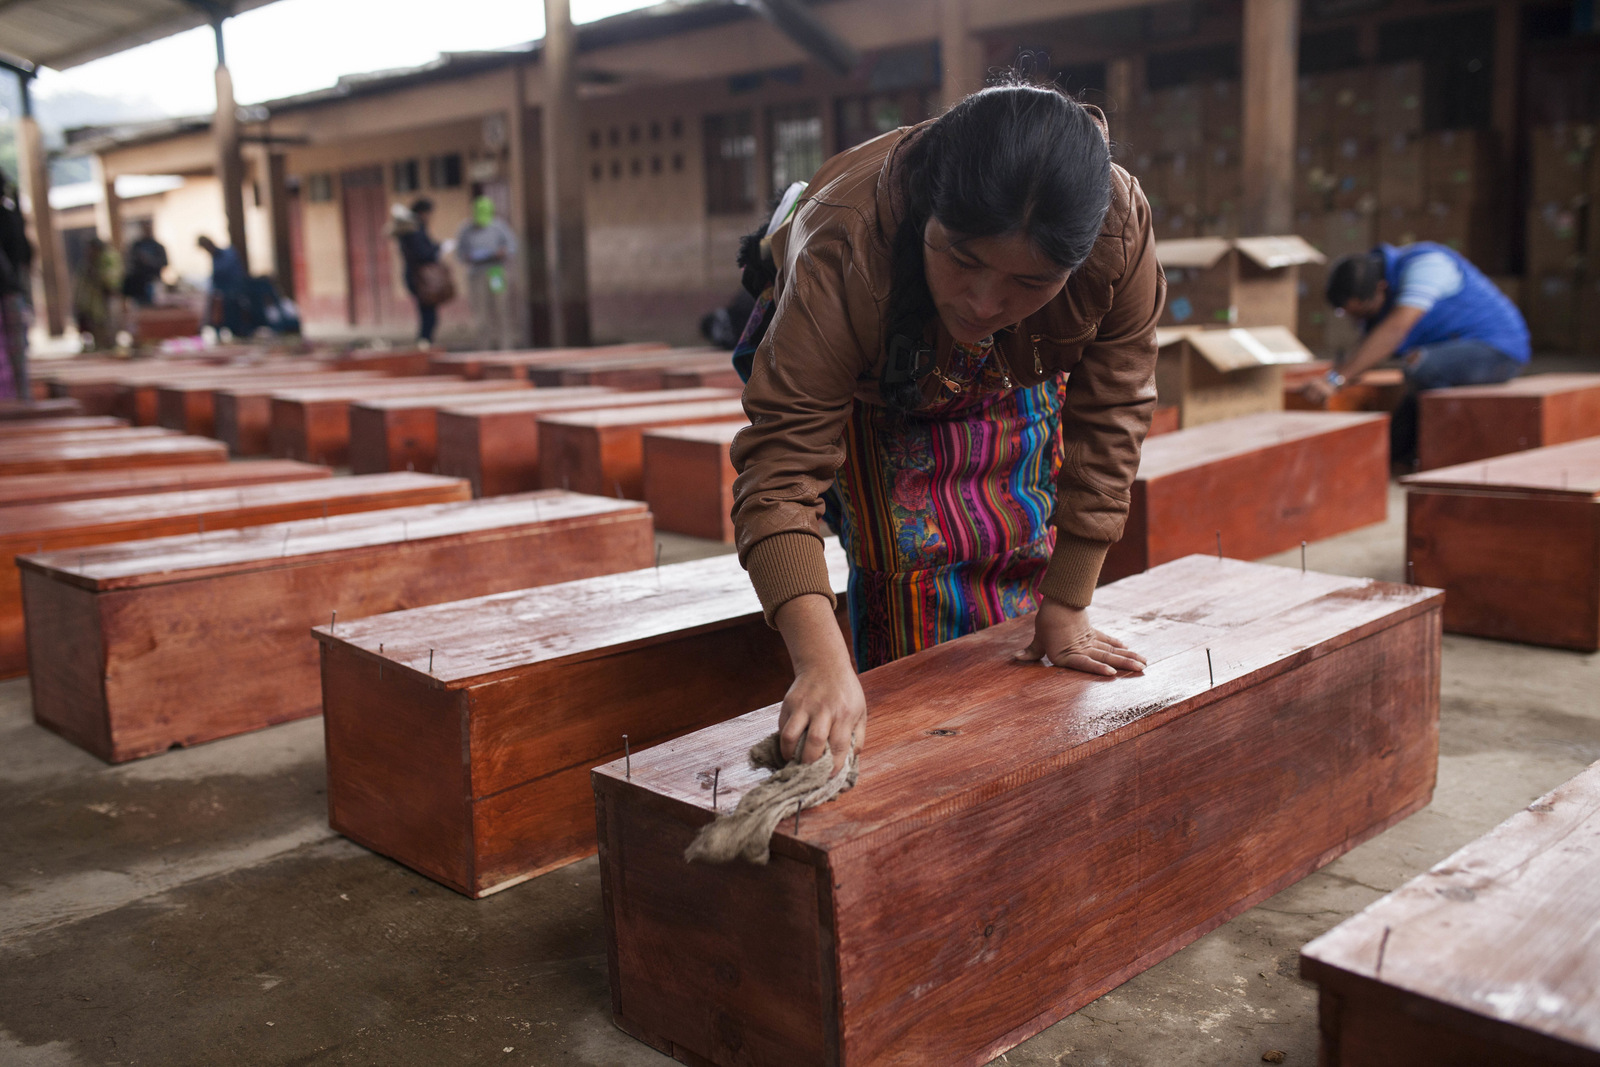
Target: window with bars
319, 188
730, 163
861, 118
406, 177
444, 172
796, 143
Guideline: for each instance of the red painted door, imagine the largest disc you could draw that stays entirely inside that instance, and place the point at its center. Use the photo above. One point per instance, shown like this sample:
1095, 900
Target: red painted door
367, 257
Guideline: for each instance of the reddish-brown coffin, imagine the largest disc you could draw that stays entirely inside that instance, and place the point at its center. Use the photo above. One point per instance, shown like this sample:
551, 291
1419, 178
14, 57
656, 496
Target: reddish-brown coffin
1263, 482
32, 528
105, 450
1023, 839
139, 647
477, 773
1487, 960
1479, 421
1514, 542
688, 478
603, 451
13, 410
313, 425
137, 481
402, 432
496, 446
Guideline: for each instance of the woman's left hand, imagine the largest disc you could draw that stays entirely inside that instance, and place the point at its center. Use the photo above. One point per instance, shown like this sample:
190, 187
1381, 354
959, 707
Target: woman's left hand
1064, 634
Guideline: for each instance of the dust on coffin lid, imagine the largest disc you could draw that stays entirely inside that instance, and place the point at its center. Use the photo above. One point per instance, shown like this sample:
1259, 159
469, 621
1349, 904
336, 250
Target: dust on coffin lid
1478, 932
188, 556
475, 400
477, 639
1202, 445
1570, 469
719, 433
537, 400
73, 514
1239, 347
643, 416
1255, 619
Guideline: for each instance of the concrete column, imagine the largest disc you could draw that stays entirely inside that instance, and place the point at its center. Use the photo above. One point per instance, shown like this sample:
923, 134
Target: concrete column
1270, 62
108, 213
566, 253
960, 55
56, 288
279, 208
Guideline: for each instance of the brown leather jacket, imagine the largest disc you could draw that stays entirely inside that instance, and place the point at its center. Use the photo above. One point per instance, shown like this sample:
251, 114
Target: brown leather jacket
825, 348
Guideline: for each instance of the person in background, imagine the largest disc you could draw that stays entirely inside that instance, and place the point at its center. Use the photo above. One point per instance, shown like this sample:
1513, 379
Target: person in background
16, 272
229, 304
95, 295
485, 246
417, 250
1426, 303
147, 258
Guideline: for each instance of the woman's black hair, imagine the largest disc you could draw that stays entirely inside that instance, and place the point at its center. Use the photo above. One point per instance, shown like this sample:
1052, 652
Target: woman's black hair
1354, 278
1009, 159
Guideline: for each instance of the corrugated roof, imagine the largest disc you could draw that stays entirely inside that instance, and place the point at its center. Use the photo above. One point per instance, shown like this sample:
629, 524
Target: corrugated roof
66, 33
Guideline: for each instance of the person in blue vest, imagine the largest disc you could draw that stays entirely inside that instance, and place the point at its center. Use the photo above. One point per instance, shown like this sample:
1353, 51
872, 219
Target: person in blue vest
1427, 304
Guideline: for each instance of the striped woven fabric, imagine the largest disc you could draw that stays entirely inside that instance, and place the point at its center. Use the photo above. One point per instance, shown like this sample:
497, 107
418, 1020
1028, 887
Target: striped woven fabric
946, 510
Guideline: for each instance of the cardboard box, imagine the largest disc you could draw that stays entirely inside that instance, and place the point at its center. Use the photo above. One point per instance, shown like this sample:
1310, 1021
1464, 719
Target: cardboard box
1553, 238
1355, 174
1398, 226
1247, 281
1220, 374
1220, 112
1402, 172
1353, 104
1553, 312
1344, 233
1222, 181
1398, 91
1458, 166
1561, 163
1589, 315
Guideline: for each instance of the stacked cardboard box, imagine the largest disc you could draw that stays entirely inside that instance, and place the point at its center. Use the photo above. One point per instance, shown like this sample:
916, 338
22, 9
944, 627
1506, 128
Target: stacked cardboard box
1563, 252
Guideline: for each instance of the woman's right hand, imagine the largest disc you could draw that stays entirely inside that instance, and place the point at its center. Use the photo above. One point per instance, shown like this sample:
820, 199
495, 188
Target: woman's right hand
825, 703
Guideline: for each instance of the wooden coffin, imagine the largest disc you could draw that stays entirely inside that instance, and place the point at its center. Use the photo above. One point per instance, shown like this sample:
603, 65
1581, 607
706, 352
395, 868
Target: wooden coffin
35, 528
496, 445
688, 478
1376, 390
1022, 839
1515, 543
402, 432
721, 376
139, 647
136, 396
145, 394
106, 450
1165, 420
313, 425
1263, 482
49, 408
397, 363
70, 424
638, 372
476, 773
132, 481
190, 405
242, 413
476, 365
1487, 960
603, 451
1479, 421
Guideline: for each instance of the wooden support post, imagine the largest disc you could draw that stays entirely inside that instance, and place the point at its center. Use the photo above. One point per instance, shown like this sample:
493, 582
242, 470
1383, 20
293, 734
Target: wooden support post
1119, 93
1270, 70
566, 254
35, 183
282, 239
230, 166
1506, 107
108, 213
960, 57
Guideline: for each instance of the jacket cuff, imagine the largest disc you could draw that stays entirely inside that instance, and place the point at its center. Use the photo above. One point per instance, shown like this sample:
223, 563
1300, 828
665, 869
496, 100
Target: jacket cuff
787, 565
1074, 569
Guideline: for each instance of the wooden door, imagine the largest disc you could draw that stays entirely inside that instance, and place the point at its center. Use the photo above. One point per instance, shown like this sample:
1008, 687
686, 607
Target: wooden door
367, 258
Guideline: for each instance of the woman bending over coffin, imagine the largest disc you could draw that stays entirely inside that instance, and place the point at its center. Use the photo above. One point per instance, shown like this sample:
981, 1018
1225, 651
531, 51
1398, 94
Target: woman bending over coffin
962, 342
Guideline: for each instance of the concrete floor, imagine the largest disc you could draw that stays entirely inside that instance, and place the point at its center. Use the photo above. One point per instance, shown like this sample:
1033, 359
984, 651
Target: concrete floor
194, 908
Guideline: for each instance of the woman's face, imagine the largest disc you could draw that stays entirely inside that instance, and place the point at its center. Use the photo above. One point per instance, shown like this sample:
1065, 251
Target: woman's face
982, 284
